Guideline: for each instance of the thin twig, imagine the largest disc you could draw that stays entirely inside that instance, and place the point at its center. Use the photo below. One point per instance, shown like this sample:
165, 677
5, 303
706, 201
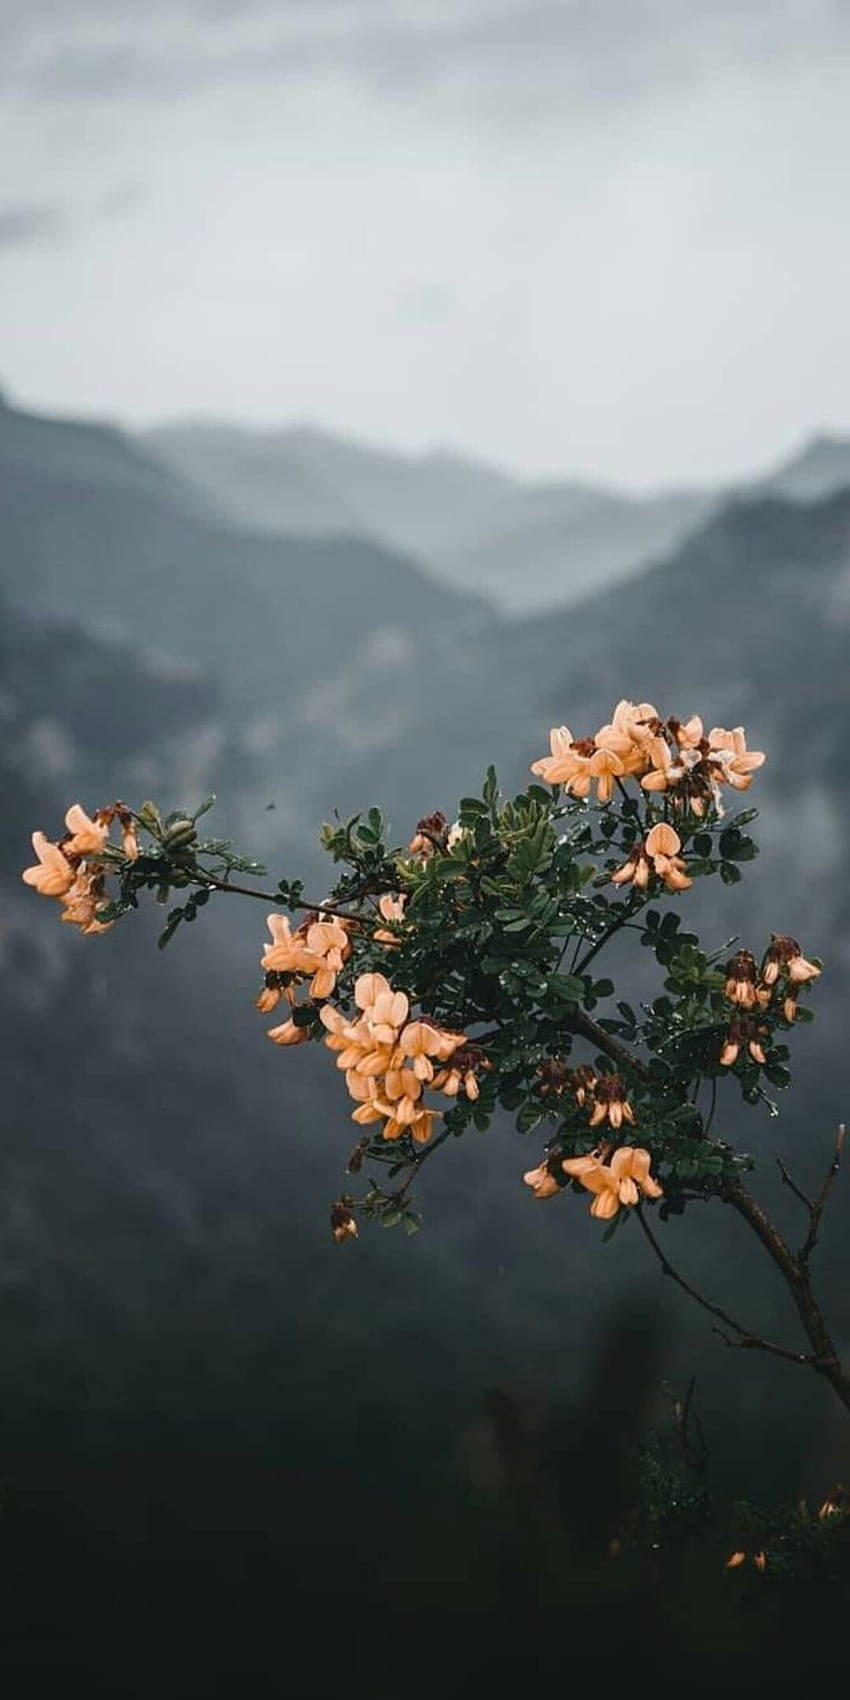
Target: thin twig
746, 1336
790, 1182
817, 1209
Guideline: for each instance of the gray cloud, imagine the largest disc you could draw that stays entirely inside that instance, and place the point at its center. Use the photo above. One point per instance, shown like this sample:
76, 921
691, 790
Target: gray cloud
31, 222
99, 48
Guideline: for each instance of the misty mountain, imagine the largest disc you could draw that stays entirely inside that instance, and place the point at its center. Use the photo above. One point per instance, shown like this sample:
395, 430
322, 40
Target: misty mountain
82, 453
523, 546
302, 479
554, 546
820, 468
526, 546
325, 647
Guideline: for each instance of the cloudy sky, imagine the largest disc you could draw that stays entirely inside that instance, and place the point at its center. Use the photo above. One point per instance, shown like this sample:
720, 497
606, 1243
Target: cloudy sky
608, 237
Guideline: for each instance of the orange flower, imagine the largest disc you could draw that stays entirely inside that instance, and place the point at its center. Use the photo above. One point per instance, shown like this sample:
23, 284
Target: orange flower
329, 942
735, 1560
268, 999
636, 870
611, 1105
784, 955
542, 1182
605, 766
81, 903
745, 1030
288, 1034
52, 875
87, 836
740, 987
392, 910
450, 1080
288, 953
734, 762
627, 734
663, 771
422, 1127
620, 1182
661, 847
422, 1041
318, 948
564, 763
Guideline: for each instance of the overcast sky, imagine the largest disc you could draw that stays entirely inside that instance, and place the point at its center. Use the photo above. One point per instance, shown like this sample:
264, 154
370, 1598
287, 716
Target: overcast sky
606, 237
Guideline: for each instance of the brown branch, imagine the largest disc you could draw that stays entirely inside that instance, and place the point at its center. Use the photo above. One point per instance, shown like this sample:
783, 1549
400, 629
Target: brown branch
816, 1210
746, 1336
796, 1275
606, 1042
200, 876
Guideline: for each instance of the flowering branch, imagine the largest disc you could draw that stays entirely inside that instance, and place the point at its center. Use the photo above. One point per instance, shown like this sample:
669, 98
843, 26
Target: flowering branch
435, 975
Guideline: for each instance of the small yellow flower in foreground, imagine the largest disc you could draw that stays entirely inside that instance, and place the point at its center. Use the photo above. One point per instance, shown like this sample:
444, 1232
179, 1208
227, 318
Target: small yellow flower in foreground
87, 836
542, 1182
52, 875
735, 1560
619, 1182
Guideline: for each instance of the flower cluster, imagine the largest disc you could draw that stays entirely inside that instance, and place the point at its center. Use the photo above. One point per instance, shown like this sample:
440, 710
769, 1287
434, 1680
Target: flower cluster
74, 869
658, 852
672, 756
775, 985
604, 1094
389, 1060
318, 949
622, 1180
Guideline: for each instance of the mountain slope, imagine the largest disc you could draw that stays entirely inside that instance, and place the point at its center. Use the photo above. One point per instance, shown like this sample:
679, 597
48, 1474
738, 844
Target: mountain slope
299, 478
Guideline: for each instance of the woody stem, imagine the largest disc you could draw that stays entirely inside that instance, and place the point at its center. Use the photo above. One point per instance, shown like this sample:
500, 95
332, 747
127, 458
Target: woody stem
794, 1270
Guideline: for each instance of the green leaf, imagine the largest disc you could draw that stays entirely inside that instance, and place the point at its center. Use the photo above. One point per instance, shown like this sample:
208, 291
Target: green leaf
729, 874
174, 918
207, 804
529, 1118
